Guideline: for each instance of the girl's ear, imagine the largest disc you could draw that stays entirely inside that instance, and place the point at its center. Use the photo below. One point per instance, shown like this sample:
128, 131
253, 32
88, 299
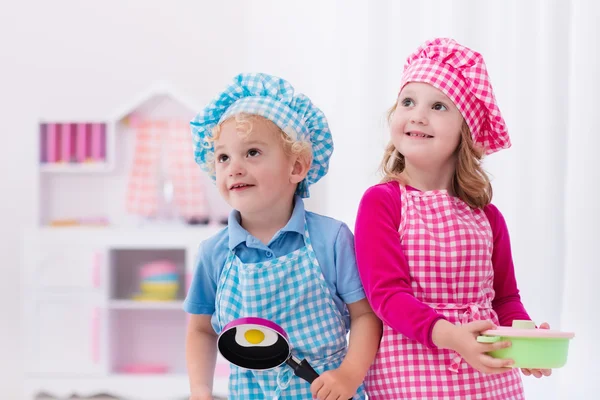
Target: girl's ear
299, 170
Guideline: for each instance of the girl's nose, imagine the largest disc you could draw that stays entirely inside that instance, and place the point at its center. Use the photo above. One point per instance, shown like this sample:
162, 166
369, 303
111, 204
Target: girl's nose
418, 116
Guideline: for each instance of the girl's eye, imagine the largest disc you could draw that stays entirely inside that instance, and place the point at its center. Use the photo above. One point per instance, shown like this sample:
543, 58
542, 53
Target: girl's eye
408, 102
439, 107
253, 152
222, 158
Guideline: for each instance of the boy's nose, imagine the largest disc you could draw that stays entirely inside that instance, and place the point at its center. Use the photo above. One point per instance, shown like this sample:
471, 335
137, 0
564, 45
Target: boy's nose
236, 168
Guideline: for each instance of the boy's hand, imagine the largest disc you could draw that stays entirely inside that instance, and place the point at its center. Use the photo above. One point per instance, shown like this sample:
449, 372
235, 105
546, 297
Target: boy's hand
207, 396
335, 384
538, 373
202, 393
202, 397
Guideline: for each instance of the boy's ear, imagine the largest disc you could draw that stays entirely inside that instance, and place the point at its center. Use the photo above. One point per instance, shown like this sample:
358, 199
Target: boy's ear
299, 170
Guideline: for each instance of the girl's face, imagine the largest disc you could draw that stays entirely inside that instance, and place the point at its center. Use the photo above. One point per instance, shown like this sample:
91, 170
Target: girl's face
425, 127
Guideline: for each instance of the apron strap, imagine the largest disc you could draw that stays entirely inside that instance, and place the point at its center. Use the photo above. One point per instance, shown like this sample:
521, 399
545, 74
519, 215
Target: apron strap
222, 279
286, 374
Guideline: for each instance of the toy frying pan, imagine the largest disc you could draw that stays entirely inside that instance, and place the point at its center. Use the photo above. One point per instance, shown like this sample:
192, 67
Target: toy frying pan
259, 344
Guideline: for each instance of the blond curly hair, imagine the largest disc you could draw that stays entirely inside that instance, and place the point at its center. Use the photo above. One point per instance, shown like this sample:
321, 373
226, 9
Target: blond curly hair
244, 124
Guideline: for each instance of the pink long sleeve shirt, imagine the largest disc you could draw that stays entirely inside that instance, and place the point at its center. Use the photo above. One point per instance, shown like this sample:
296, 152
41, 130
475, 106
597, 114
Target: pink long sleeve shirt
385, 274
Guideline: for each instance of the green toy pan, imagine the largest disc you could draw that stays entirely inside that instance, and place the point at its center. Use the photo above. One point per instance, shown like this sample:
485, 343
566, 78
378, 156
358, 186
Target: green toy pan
530, 347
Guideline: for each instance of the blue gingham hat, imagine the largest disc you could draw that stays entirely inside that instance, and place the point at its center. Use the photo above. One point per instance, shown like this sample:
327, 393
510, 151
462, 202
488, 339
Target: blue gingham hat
272, 98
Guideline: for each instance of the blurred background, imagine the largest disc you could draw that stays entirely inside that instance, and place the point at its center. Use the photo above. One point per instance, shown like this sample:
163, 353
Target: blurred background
94, 83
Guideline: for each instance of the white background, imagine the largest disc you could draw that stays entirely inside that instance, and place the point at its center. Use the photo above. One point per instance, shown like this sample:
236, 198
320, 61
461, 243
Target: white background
80, 60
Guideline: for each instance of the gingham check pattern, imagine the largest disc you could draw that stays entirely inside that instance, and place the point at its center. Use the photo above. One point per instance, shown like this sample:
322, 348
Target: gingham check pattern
274, 99
448, 247
171, 139
292, 292
460, 73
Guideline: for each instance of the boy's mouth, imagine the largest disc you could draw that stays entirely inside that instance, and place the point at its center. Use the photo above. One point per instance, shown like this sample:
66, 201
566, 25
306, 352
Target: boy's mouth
240, 186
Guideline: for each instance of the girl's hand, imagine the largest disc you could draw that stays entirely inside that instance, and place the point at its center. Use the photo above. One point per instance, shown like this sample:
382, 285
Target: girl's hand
335, 384
465, 343
538, 373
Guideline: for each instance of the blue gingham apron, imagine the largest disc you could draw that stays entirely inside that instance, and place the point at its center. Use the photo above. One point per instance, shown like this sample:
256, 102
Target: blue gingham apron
290, 291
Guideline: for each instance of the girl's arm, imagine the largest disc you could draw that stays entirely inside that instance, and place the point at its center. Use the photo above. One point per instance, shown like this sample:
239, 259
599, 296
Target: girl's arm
201, 356
507, 302
383, 267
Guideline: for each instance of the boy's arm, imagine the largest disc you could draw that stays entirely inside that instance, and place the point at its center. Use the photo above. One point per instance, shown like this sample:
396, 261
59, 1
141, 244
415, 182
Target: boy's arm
365, 334
201, 355
365, 327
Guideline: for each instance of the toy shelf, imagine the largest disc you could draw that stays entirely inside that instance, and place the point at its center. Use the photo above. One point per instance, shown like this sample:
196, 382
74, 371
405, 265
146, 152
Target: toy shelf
119, 217
74, 144
147, 341
145, 305
146, 329
126, 268
64, 168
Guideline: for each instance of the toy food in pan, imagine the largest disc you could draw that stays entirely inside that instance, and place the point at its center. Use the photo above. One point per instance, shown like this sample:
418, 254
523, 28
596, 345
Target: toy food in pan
259, 344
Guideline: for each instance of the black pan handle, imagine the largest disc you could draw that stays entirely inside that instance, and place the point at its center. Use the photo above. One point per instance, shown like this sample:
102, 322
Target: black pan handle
302, 369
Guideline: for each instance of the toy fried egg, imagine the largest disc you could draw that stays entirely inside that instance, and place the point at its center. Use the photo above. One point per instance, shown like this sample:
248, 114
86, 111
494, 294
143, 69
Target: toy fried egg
255, 336
253, 343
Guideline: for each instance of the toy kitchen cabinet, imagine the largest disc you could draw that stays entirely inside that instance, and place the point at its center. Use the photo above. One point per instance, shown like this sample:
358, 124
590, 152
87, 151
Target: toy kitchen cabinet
98, 318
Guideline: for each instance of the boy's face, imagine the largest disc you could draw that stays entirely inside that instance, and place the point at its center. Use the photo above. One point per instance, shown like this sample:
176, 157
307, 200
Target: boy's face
253, 173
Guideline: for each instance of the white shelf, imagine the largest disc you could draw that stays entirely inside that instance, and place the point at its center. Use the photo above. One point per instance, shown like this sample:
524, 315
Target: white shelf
145, 305
151, 237
68, 168
129, 386
83, 327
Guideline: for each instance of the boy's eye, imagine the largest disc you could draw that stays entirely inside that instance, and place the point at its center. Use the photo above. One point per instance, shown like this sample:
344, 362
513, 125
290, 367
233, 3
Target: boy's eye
222, 158
253, 152
439, 107
407, 102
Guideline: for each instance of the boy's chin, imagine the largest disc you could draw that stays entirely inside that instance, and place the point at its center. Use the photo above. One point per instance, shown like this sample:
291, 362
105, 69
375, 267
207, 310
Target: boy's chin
248, 207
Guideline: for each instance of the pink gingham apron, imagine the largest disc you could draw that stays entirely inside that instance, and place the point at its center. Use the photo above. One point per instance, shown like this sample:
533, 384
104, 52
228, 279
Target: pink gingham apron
448, 246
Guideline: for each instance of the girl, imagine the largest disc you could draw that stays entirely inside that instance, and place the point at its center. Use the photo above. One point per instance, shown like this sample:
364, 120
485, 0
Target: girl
433, 252
264, 145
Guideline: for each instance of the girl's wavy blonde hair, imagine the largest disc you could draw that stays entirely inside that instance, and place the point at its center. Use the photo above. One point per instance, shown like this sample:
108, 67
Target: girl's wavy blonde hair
470, 182
244, 124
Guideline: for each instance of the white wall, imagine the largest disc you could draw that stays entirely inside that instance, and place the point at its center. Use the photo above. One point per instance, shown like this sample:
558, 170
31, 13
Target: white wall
81, 60
71, 59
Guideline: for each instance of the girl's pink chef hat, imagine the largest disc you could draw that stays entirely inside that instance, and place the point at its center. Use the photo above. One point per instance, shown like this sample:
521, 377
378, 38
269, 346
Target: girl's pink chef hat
460, 73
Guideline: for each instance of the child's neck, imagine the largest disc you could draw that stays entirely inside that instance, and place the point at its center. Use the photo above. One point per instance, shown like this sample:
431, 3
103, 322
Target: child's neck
425, 180
263, 225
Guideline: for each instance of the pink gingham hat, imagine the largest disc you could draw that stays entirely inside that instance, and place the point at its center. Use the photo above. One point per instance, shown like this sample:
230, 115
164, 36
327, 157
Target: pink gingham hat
460, 73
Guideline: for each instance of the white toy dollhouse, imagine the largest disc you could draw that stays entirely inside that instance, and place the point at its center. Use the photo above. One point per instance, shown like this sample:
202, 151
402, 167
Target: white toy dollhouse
110, 205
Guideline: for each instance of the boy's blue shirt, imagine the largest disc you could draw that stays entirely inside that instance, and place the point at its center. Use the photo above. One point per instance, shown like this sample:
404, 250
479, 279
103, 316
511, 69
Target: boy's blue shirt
332, 240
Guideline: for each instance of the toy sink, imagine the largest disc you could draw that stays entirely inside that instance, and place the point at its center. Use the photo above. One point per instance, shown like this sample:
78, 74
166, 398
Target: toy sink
531, 347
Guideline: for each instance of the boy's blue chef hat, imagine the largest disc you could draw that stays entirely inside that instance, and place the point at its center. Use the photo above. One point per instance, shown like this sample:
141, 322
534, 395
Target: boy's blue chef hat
272, 98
